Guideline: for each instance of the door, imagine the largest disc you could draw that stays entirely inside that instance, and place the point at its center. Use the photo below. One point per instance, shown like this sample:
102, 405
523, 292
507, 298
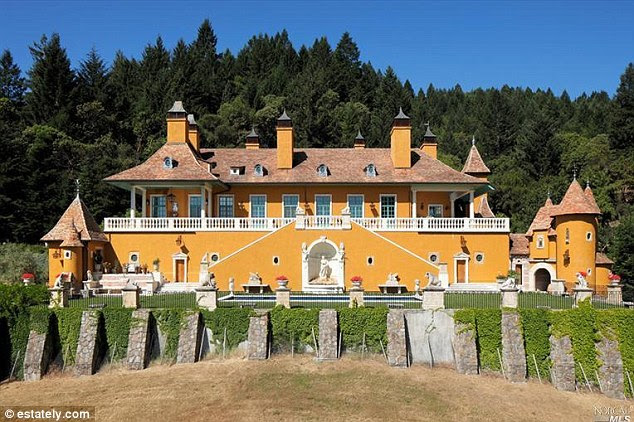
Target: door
323, 209
180, 270
388, 210
461, 271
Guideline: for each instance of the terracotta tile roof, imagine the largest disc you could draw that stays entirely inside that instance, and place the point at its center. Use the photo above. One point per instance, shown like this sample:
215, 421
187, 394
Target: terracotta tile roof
485, 210
345, 165
576, 202
543, 218
475, 163
519, 244
590, 197
75, 224
601, 258
187, 166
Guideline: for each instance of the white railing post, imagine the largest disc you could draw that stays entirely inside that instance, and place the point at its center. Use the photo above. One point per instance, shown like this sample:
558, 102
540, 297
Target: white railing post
300, 218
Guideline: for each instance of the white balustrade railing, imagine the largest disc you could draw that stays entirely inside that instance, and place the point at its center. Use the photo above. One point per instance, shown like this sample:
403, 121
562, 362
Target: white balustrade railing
334, 222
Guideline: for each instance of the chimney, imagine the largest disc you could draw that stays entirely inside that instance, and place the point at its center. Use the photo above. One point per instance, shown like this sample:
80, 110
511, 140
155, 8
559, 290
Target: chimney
193, 132
285, 148
253, 140
401, 141
429, 145
177, 123
359, 141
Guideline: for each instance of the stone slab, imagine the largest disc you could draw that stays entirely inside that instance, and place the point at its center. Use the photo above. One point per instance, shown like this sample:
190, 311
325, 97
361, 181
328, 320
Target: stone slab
611, 372
37, 356
430, 334
465, 350
258, 338
139, 340
562, 373
189, 339
513, 353
89, 345
328, 334
397, 353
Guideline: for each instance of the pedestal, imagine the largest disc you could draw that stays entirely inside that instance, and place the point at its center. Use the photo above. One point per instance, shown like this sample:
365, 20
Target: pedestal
615, 295
557, 286
356, 297
130, 297
581, 294
59, 297
283, 297
207, 297
510, 297
434, 298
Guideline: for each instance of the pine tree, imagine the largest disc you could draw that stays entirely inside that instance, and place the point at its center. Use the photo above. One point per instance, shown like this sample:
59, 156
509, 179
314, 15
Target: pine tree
622, 131
12, 84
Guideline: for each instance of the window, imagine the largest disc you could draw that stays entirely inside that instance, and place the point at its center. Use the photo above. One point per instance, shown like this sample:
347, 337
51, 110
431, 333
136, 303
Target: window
289, 205
479, 257
567, 236
370, 170
235, 171
276, 260
434, 210
370, 260
322, 170
258, 206
355, 204
225, 206
322, 205
388, 206
67, 254
168, 163
433, 257
258, 170
589, 236
214, 256
158, 206
195, 205
589, 271
540, 242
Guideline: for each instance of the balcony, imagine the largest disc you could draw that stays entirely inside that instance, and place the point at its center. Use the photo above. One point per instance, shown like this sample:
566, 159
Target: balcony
303, 222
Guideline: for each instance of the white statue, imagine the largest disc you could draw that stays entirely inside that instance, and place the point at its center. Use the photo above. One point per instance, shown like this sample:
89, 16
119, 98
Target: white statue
417, 285
582, 283
232, 284
346, 210
304, 248
324, 268
131, 284
210, 280
342, 247
433, 280
509, 283
89, 276
254, 278
59, 281
392, 279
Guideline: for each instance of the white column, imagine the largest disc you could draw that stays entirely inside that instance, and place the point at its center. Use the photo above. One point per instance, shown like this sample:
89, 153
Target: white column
133, 202
452, 200
413, 203
471, 207
202, 201
143, 205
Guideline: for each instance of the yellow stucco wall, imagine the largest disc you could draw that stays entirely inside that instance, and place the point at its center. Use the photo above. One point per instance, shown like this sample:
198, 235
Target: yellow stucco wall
581, 251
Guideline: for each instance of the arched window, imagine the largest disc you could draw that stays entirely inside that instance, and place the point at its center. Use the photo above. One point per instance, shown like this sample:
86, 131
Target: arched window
168, 163
322, 170
258, 170
370, 170
567, 236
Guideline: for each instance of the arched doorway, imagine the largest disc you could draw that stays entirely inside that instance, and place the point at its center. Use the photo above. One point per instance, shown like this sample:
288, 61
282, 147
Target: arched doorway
542, 280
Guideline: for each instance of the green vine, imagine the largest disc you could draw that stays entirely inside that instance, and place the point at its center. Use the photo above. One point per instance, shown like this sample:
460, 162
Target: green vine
170, 322
619, 324
296, 323
235, 320
68, 326
489, 337
353, 322
117, 324
536, 329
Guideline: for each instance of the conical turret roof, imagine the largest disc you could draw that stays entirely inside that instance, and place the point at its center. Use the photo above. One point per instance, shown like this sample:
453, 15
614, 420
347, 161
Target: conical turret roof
474, 163
75, 225
543, 219
576, 202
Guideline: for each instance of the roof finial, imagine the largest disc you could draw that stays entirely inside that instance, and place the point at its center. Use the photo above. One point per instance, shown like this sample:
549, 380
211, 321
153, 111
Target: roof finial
588, 184
574, 173
77, 183
548, 194
473, 141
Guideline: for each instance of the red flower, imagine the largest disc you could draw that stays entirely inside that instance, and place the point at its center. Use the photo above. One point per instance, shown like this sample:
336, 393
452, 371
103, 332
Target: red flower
281, 277
357, 278
583, 273
614, 277
28, 275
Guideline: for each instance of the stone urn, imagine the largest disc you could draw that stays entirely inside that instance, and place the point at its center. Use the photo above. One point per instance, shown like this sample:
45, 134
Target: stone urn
282, 283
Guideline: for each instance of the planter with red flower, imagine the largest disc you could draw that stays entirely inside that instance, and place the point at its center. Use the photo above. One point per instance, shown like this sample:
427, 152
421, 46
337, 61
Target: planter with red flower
356, 281
282, 281
614, 278
28, 279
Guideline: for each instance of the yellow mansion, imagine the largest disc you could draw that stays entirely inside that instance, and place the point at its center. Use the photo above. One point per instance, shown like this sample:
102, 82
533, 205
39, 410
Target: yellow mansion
320, 217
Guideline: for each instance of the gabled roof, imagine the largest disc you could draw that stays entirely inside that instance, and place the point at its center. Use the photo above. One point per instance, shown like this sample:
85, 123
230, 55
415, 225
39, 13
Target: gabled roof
475, 163
519, 244
543, 218
187, 166
345, 165
485, 210
75, 225
576, 202
602, 259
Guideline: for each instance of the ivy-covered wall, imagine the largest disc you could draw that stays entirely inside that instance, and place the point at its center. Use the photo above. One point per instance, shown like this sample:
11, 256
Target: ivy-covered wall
234, 320
354, 322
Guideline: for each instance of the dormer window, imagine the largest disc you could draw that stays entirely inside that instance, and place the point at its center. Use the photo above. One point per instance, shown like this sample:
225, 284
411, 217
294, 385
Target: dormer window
322, 170
168, 163
258, 170
236, 171
370, 170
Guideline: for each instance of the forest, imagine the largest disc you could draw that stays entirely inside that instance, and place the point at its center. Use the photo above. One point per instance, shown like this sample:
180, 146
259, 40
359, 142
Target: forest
60, 122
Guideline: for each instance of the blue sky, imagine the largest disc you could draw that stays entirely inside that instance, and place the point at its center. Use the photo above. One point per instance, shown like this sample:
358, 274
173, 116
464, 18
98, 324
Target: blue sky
576, 46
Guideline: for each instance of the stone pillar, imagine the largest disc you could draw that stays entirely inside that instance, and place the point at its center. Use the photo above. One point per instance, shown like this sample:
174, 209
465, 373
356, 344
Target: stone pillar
433, 298
258, 338
283, 296
89, 344
356, 297
37, 356
300, 219
130, 296
328, 335
397, 339
513, 353
557, 286
59, 297
189, 339
581, 294
562, 373
611, 371
207, 297
465, 349
139, 340
615, 295
346, 222
510, 298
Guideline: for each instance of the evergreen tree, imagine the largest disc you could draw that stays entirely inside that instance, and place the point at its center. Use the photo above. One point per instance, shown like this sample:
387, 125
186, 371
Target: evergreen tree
622, 131
12, 84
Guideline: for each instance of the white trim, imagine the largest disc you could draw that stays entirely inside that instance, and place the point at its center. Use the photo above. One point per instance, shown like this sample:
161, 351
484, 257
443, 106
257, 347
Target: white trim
442, 210
461, 257
589, 239
414, 198
189, 204
177, 257
288, 195
543, 242
475, 257
362, 202
152, 204
540, 266
395, 204
437, 257
233, 207
315, 199
266, 202
471, 205
133, 202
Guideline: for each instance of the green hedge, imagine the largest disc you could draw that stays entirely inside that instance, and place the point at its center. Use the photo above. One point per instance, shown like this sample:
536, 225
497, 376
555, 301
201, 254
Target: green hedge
353, 322
536, 330
235, 320
296, 323
170, 322
117, 324
619, 323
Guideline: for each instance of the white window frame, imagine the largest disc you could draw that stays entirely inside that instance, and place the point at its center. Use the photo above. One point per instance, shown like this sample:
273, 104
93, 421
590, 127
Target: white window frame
233, 207
395, 196
152, 204
330, 202
540, 242
442, 210
437, 257
362, 202
266, 202
589, 236
475, 258
189, 204
289, 195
